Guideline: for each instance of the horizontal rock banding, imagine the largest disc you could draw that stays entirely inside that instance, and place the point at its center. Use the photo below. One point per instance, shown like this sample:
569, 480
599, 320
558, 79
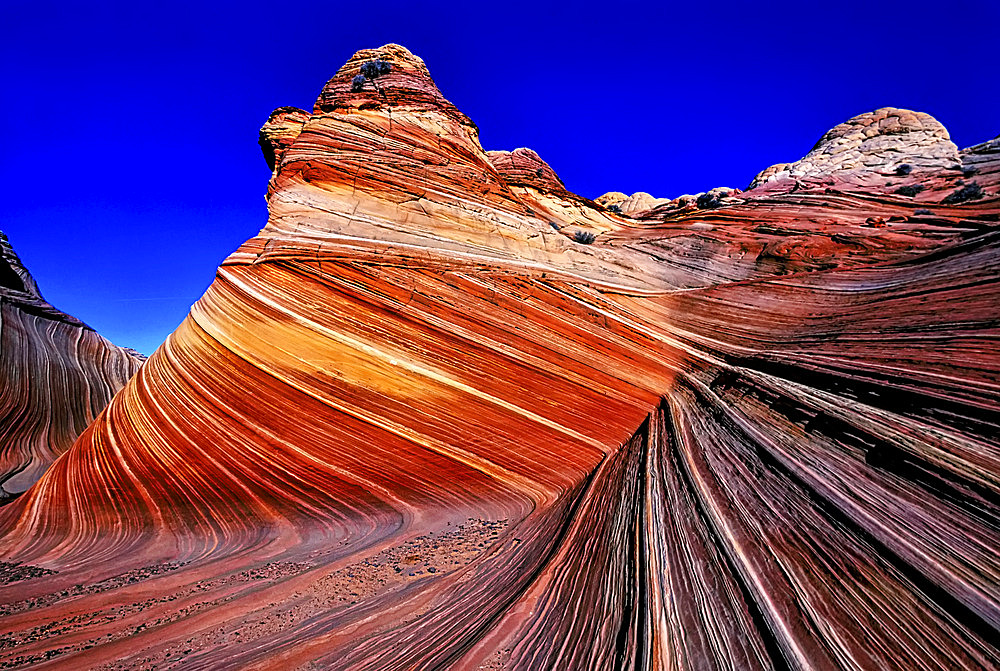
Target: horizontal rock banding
417, 423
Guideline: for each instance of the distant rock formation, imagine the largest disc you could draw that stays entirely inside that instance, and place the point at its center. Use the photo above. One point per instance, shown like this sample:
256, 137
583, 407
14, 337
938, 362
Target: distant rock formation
624, 204
888, 142
442, 413
57, 375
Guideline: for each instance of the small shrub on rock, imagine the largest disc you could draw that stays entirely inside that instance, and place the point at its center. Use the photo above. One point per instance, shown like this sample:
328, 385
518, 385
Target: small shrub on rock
922, 211
584, 237
910, 190
614, 208
376, 68
358, 83
904, 169
970, 191
707, 201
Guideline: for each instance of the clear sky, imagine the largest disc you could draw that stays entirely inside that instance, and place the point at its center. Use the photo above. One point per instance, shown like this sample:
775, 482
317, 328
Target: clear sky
130, 165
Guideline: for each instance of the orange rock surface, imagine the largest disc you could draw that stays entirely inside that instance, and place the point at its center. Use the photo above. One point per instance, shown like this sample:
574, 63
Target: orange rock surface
421, 420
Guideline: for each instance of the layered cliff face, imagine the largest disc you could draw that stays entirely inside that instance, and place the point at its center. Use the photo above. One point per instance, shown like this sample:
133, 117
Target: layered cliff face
442, 412
57, 375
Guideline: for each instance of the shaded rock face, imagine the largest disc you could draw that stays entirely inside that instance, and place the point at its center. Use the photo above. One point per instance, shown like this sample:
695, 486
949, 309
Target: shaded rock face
57, 375
415, 424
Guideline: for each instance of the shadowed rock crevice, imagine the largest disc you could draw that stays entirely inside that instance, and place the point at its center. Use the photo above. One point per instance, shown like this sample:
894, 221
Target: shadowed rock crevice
12, 273
9, 279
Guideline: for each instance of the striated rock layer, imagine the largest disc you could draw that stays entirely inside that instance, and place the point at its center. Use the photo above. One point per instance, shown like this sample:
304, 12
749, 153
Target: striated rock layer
442, 413
57, 375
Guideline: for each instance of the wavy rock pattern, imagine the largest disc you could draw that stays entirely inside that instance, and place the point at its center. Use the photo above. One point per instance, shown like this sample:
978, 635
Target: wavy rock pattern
57, 374
414, 424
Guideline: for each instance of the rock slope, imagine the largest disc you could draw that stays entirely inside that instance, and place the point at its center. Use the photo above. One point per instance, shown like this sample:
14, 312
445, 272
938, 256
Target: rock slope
441, 412
57, 375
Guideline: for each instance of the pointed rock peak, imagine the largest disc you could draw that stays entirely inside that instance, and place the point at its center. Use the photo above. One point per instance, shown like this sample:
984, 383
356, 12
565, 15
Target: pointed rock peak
387, 77
19, 287
524, 167
14, 277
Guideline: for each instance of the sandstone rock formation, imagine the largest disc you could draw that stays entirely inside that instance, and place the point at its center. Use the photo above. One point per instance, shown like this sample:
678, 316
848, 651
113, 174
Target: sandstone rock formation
523, 167
871, 146
639, 201
277, 134
415, 424
57, 375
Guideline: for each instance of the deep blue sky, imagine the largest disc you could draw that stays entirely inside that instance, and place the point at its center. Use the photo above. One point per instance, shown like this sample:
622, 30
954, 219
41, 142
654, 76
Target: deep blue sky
130, 165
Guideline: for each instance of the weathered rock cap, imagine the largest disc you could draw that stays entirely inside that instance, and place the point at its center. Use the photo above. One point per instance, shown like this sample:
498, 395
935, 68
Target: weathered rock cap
876, 142
407, 84
524, 167
279, 132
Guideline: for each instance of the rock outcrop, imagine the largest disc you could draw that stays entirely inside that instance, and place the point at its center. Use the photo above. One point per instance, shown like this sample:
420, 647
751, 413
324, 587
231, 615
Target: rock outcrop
422, 421
523, 167
888, 142
57, 375
640, 201
277, 134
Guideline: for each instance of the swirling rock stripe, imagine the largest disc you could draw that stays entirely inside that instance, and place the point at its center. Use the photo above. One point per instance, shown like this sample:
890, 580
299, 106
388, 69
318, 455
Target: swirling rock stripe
803, 533
380, 359
834, 524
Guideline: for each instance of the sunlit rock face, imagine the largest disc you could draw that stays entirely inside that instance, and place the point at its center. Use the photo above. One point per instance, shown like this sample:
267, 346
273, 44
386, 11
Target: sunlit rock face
870, 146
442, 413
56, 373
